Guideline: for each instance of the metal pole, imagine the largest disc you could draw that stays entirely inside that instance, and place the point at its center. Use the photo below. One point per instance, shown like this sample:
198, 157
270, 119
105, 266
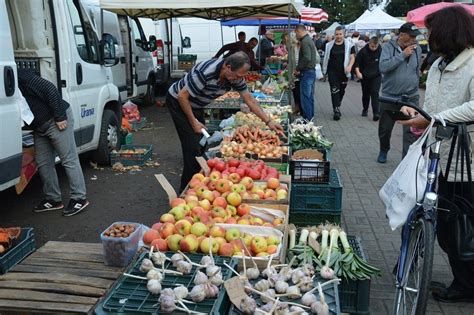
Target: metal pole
171, 53
259, 40
235, 33
290, 55
222, 36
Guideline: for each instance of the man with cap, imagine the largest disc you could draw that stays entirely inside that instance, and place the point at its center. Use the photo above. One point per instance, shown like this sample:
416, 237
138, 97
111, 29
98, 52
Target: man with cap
400, 64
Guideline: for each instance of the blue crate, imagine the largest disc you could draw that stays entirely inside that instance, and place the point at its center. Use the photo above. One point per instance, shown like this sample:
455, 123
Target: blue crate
25, 245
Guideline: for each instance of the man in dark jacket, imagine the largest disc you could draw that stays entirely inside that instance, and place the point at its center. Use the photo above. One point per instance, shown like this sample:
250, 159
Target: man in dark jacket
53, 127
367, 70
265, 49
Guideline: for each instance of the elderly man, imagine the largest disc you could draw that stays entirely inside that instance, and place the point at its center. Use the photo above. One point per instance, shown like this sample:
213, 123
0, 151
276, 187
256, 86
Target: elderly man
305, 69
265, 49
187, 98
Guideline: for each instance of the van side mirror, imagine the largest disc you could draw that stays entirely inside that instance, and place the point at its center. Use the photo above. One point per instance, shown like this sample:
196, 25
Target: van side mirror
186, 42
109, 49
152, 43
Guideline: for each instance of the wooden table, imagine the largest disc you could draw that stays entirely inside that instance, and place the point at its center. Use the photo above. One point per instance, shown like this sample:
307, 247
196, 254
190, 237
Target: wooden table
60, 277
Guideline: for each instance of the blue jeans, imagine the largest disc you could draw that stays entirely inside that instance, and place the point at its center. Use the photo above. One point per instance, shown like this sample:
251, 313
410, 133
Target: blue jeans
307, 80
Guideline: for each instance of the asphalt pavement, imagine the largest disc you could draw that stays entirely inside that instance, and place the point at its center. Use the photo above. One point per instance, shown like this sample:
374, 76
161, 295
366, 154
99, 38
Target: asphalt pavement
138, 197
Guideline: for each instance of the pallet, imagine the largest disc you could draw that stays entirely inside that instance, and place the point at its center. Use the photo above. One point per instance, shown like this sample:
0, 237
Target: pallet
59, 277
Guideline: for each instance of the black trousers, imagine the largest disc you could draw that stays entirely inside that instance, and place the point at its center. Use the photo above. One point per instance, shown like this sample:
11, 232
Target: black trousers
338, 84
463, 271
386, 124
370, 91
189, 139
297, 96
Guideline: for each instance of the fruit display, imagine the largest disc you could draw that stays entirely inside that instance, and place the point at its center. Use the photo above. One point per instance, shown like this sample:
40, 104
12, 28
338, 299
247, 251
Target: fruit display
306, 135
7, 236
130, 112
256, 170
229, 95
264, 143
253, 77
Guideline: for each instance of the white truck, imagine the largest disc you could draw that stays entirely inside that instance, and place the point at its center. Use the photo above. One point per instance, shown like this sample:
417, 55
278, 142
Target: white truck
58, 39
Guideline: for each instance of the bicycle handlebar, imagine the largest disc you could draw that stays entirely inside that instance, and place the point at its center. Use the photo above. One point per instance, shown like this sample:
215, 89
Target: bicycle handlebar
404, 102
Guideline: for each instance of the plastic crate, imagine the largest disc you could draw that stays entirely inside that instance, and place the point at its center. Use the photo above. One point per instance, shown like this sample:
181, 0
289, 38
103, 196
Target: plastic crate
186, 65
331, 294
282, 168
130, 296
355, 295
187, 57
274, 66
314, 218
317, 198
119, 251
21, 248
138, 124
310, 171
130, 159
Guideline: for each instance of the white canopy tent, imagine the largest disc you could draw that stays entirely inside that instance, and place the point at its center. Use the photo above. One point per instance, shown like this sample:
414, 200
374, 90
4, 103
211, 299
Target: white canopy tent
207, 9
375, 20
331, 29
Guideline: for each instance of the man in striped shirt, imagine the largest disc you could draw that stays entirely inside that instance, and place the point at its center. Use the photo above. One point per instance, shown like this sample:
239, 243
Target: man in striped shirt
187, 98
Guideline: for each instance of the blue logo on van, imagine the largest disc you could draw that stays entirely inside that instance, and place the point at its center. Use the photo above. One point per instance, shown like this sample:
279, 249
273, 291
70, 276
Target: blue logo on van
85, 112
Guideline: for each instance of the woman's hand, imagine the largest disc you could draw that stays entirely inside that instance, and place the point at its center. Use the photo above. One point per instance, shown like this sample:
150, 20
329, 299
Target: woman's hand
417, 122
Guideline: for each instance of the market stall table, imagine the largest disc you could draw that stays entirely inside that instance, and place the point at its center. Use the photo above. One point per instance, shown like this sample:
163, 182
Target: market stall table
59, 277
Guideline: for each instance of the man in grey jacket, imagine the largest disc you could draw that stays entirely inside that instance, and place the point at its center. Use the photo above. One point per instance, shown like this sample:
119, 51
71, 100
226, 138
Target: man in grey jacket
400, 64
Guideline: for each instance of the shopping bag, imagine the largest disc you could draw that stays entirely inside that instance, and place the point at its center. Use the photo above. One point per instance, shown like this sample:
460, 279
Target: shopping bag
319, 72
407, 183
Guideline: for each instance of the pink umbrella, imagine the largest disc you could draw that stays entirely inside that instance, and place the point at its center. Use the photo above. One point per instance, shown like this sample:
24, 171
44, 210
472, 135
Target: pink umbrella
418, 15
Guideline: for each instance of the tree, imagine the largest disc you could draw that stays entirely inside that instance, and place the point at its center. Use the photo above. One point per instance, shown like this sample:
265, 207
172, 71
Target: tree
342, 11
401, 7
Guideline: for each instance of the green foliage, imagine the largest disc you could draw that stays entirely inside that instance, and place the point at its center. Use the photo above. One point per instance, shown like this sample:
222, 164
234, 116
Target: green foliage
399, 8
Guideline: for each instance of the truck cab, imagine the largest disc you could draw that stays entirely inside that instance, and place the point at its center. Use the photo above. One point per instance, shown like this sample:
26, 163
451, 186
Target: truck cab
59, 41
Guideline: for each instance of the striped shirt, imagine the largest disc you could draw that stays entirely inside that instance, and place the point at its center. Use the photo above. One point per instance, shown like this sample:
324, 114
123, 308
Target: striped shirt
203, 84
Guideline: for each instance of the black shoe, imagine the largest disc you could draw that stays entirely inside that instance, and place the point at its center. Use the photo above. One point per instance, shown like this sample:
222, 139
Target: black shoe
382, 158
48, 205
74, 207
376, 117
452, 295
337, 113
364, 113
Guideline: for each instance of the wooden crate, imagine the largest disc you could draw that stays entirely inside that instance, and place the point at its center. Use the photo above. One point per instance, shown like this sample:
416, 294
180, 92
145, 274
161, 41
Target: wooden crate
59, 277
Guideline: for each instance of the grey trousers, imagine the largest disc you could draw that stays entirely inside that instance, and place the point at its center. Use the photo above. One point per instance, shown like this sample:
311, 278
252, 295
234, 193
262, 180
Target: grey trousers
49, 140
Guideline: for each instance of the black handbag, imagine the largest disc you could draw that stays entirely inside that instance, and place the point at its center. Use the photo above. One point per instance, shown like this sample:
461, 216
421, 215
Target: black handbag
455, 223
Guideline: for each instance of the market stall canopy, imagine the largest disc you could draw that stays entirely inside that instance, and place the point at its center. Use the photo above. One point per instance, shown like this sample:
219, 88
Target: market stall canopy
308, 16
375, 20
418, 15
207, 9
330, 30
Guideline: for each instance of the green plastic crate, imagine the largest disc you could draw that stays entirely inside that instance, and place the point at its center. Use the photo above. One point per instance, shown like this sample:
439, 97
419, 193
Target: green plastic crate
130, 159
282, 168
130, 296
21, 248
316, 218
187, 57
355, 295
317, 198
138, 124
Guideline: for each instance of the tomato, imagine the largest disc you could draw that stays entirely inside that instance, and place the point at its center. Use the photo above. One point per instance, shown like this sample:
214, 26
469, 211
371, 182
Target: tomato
212, 163
233, 163
254, 174
220, 166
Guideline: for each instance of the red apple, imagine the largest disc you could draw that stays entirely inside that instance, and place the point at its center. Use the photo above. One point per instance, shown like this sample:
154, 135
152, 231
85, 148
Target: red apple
226, 249
273, 183
243, 209
167, 229
219, 202
258, 244
234, 199
150, 235
215, 176
157, 226
247, 182
234, 178
220, 166
161, 244
222, 185
212, 163
217, 231
176, 202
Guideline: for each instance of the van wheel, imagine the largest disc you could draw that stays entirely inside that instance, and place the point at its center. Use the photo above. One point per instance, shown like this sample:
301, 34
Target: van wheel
149, 98
109, 137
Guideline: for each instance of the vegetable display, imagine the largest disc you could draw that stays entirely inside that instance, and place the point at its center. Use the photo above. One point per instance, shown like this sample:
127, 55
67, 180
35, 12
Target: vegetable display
306, 135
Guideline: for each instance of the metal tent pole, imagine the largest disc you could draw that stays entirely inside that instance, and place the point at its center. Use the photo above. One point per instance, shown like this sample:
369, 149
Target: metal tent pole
290, 55
222, 36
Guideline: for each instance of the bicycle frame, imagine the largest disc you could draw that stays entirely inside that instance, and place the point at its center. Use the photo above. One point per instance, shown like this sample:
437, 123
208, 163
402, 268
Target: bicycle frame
419, 210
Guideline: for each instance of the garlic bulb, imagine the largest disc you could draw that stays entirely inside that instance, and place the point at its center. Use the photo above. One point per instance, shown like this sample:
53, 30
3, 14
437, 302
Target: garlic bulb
212, 270
216, 279
253, 273
297, 275
306, 284
168, 292
207, 261
270, 293
154, 286
248, 305
184, 267
320, 308
211, 291
308, 299
181, 292
267, 307
327, 273
281, 286
293, 292
282, 309
262, 285
268, 272
167, 303
274, 278
298, 310
158, 258
246, 283
200, 278
176, 258
153, 274
198, 293
285, 273
146, 265
308, 270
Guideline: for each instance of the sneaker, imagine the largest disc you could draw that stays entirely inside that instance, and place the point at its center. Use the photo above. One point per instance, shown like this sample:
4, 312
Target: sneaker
74, 207
382, 157
48, 205
337, 113
376, 117
364, 113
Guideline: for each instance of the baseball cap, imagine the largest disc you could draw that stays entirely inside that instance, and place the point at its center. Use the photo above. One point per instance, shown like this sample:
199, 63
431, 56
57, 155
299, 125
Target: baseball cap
410, 29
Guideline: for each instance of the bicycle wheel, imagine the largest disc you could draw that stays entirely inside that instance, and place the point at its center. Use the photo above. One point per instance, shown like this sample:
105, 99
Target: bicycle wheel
411, 296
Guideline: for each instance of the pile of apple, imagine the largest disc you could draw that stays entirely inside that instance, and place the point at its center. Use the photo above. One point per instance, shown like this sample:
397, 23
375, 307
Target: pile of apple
256, 170
198, 237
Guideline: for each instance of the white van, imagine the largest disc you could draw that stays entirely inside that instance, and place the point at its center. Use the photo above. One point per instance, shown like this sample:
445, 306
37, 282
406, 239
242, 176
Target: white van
135, 74
57, 39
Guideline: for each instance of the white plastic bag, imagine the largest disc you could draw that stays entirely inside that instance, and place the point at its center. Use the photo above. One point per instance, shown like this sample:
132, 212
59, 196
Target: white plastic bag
319, 72
407, 182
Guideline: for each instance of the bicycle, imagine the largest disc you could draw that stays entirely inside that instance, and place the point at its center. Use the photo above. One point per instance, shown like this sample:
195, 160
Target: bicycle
415, 262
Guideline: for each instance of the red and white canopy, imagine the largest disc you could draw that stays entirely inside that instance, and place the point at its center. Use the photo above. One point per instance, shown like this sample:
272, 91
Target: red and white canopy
313, 15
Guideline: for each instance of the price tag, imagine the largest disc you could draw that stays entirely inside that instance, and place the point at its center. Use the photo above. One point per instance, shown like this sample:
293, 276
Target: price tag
235, 289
